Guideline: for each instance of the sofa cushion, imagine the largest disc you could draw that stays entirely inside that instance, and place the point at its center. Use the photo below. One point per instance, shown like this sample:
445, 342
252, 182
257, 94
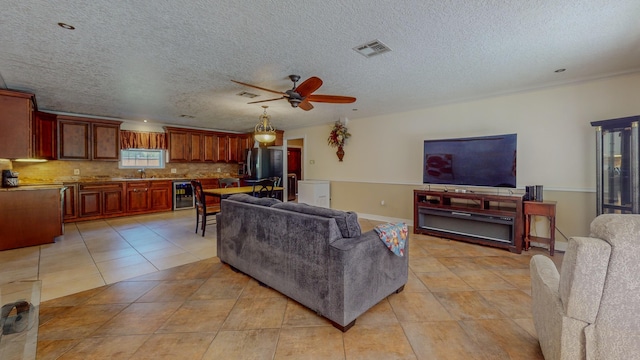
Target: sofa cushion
246, 198
347, 221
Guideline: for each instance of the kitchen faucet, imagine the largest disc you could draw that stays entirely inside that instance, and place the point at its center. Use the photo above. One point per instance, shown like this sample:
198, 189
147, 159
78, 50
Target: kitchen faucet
143, 174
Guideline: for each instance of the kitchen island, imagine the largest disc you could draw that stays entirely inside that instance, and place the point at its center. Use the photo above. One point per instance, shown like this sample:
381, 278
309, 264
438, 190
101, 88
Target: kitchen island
30, 215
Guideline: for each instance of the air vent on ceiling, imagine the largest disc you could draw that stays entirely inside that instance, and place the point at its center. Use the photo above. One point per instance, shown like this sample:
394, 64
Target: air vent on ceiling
187, 116
372, 48
247, 94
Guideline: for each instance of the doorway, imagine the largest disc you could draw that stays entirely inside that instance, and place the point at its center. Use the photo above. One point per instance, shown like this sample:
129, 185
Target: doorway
294, 166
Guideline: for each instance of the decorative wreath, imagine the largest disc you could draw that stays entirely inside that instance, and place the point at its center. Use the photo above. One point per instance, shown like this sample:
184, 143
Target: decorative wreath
338, 135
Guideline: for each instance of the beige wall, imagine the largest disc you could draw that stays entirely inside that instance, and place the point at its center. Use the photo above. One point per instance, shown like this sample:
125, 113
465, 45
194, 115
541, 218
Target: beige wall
556, 147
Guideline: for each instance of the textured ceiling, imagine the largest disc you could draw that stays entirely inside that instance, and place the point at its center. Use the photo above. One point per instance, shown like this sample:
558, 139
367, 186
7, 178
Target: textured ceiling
161, 59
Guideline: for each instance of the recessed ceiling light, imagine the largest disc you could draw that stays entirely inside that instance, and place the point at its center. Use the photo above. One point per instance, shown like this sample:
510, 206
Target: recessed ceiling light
560, 70
144, 120
66, 26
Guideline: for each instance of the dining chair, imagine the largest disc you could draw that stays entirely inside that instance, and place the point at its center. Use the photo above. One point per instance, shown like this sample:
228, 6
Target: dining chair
201, 207
263, 188
228, 182
276, 180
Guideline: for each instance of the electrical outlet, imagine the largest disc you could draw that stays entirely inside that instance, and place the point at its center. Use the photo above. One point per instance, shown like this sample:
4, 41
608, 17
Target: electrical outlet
382, 202
218, 169
76, 171
173, 171
312, 162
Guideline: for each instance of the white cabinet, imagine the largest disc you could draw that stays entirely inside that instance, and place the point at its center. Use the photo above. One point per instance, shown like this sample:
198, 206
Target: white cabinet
314, 192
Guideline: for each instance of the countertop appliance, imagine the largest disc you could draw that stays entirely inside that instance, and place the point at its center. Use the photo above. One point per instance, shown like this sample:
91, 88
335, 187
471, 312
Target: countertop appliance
9, 178
183, 197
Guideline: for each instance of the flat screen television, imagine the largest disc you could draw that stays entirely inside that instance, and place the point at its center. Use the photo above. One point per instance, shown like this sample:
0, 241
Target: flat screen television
474, 161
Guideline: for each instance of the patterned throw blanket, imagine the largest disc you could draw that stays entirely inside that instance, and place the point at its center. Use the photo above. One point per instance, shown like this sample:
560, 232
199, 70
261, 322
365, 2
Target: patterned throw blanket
394, 236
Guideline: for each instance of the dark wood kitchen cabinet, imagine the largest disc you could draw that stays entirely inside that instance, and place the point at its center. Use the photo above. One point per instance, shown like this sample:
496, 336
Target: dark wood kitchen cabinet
195, 145
16, 124
161, 196
233, 151
46, 135
232, 148
178, 146
148, 196
138, 196
187, 145
88, 139
97, 200
222, 142
210, 148
29, 216
70, 202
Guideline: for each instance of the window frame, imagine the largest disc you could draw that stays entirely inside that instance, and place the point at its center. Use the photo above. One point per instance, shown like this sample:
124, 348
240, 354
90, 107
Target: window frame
161, 159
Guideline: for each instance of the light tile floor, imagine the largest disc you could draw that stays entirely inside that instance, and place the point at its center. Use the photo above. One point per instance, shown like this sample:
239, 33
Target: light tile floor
462, 301
96, 253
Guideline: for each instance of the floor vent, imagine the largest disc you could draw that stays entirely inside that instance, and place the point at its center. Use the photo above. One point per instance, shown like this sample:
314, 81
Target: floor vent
372, 48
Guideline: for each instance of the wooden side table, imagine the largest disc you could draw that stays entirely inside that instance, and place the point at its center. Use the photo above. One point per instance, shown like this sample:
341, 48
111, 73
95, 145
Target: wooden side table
541, 208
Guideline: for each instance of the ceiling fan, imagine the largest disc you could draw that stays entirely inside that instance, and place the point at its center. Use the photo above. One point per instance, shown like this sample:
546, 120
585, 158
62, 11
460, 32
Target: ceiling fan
302, 95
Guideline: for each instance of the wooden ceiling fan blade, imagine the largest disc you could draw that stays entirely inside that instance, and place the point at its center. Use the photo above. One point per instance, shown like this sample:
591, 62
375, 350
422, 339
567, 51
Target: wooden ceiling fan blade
309, 86
260, 101
258, 87
331, 99
305, 105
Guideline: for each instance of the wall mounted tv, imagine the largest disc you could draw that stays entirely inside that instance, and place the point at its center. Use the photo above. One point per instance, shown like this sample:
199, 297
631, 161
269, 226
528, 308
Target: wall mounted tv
475, 161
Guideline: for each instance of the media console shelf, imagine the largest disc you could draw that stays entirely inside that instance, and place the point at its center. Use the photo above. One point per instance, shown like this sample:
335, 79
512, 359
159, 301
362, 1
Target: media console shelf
487, 219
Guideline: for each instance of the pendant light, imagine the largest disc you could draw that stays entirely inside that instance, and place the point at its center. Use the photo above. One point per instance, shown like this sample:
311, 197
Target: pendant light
264, 132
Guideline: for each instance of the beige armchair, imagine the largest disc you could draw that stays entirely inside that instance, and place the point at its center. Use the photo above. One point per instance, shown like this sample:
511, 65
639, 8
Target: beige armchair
591, 309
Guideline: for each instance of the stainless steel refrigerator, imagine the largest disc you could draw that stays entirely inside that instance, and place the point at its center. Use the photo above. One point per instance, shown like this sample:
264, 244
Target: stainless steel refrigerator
264, 163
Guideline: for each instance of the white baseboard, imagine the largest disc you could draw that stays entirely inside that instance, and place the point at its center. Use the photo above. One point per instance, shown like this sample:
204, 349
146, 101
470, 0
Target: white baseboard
385, 218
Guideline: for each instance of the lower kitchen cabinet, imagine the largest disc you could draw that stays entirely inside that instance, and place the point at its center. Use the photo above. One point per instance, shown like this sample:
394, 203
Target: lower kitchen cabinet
70, 202
29, 216
137, 196
161, 196
148, 196
98, 200
90, 201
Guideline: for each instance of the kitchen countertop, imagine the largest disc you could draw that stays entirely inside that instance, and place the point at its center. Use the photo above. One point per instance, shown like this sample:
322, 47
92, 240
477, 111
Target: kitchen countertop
33, 187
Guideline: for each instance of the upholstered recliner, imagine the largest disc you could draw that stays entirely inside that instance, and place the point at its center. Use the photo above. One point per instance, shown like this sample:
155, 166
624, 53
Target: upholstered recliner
591, 309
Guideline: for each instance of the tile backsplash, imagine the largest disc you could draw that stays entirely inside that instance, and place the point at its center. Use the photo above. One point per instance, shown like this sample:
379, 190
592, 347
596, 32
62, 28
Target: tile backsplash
63, 171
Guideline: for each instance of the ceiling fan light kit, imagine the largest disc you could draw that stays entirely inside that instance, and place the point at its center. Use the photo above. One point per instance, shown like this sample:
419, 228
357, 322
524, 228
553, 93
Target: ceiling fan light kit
264, 132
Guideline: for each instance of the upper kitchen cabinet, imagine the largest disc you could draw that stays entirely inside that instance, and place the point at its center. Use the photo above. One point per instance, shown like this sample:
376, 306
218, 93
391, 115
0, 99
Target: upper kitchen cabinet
88, 139
178, 146
186, 145
232, 148
195, 143
46, 141
16, 121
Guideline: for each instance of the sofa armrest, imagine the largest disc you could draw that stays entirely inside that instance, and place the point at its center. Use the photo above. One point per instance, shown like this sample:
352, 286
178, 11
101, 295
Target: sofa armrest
363, 271
546, 305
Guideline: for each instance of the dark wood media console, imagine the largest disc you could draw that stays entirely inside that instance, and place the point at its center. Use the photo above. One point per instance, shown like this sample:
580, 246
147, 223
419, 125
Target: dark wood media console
487, 219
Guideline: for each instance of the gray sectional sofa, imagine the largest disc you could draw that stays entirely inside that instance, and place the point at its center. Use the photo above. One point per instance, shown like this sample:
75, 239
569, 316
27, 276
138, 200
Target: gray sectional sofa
315, 256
